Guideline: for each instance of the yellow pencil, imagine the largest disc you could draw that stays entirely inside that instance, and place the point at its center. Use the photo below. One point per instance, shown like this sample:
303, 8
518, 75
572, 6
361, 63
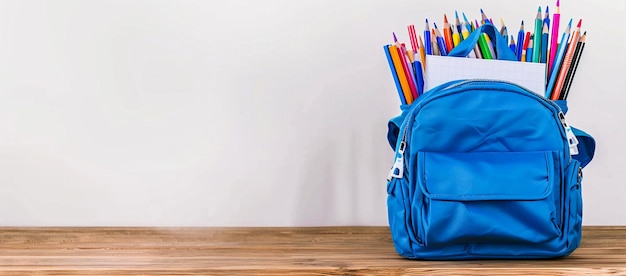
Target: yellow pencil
456, 38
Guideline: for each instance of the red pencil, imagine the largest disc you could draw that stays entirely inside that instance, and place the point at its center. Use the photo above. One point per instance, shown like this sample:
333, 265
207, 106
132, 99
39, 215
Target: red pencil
526, 41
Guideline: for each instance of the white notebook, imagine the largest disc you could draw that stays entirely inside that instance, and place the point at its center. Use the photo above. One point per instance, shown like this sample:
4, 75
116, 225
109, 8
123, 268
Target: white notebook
441, 69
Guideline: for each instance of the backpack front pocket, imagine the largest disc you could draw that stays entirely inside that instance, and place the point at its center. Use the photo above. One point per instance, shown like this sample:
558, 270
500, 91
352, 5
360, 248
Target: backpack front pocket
487, 197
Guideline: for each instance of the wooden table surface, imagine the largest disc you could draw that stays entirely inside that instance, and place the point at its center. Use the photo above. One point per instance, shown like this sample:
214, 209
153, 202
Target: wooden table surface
269, 251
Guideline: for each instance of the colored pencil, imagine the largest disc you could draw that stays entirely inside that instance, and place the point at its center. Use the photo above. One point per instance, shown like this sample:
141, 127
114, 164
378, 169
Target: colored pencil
413, 38
537, 37
490, 46
557, 60
530, 51
429, 49
465, 32
466, 21
483, 18
406, 65
572, 71
520, 41
503, 30
458, 22
440, 41
394, 74
525, 47
456, 37
485, 45
556, 18
512, 44
404, 83
433, 42
422, 52
567, 62
544, 44
546, 19
447, 34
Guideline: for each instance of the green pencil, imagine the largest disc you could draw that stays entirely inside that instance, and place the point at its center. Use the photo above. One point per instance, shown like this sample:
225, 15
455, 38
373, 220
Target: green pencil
484, 48
537, 42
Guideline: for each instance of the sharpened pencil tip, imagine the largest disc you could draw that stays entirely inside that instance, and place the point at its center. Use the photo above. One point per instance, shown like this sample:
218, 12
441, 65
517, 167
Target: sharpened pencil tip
395, 39
435, 24
445, 18
580, 22
456, 14
569, 25
558, 3
539, 9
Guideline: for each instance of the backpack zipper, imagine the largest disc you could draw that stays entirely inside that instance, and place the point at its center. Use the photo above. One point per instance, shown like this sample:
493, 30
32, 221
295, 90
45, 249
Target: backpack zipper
398, 165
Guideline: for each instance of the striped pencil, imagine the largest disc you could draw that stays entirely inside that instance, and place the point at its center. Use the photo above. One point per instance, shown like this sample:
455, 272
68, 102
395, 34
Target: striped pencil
570, 75
567, 62
557, 60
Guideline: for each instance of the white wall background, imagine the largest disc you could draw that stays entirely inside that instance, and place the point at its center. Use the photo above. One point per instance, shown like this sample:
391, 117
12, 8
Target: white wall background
243, 112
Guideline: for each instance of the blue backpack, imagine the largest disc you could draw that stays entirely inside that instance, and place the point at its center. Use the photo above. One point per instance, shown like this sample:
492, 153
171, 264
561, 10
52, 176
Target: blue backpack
485, 169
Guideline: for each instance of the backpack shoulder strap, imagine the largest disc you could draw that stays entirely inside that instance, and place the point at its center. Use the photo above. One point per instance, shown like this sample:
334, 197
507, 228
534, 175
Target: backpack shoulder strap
394, 124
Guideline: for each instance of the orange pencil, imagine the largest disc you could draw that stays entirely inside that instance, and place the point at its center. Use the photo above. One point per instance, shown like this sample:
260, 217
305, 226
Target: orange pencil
404, 83
422, 52
567, 62
406, 66
447, 35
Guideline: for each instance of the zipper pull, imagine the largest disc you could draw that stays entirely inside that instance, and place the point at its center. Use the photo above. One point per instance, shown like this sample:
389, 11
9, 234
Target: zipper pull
571, 138
397, 170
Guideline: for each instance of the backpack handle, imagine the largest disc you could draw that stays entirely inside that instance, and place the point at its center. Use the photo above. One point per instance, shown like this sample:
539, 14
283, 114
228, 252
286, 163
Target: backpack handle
503, 52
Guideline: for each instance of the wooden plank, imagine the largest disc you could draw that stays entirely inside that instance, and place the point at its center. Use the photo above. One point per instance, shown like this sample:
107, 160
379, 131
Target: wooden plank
269, 251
